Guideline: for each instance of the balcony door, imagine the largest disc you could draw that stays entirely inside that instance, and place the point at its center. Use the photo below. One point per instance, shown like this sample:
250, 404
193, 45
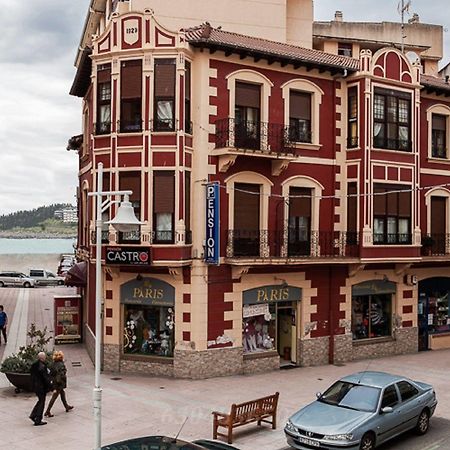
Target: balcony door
247, 113
299, 231
246, 233
438, 225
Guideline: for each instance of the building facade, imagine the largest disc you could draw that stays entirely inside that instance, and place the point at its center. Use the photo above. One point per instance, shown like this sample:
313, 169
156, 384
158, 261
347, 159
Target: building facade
331, 175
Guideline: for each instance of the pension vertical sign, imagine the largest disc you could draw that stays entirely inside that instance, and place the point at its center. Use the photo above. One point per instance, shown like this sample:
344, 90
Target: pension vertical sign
212, 249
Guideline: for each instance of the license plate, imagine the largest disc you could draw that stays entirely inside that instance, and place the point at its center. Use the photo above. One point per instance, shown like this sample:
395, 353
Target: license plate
303, 440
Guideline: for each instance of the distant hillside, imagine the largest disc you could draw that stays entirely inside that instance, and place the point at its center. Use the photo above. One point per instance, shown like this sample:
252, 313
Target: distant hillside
30, 219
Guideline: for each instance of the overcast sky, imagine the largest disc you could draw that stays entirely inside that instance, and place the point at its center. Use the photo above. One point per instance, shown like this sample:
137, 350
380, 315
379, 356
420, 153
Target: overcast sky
37, 116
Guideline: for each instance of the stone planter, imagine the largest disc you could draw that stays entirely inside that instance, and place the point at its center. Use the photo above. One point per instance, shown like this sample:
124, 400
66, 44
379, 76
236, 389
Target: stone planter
21, 381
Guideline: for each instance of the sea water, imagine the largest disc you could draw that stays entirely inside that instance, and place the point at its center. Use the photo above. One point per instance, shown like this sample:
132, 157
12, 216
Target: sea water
36, 246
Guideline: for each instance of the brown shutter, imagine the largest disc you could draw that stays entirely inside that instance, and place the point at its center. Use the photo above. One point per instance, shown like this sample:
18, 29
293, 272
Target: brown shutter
187, 200
131, 79
248, 95
404, 203
104, 74
106, 181
165, 78
246, 206
392, 202
131, 181
439, 122
300, 202
163, 192
300, 105
352, 207
438, 214
379, 201
187, 90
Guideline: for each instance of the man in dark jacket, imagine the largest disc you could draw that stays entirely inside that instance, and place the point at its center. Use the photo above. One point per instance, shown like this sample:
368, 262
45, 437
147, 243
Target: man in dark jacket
41, 385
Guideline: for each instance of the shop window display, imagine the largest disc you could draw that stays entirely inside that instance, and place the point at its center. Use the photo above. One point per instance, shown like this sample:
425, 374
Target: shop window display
371, 316
438, 312
259, 328
149, 330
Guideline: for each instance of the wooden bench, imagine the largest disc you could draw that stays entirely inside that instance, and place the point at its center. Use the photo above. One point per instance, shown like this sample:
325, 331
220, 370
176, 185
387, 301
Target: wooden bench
254, 411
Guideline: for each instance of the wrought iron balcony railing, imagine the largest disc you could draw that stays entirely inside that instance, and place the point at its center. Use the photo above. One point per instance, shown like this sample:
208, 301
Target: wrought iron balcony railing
256, 136
288, 244
436, 244
130, 126
129, 237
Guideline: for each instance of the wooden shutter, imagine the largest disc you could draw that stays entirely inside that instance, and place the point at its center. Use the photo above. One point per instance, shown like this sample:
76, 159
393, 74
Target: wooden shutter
299, 105
439, 122
131, 79
300, 202
187, 89
379, 202
248, 95
187, 200
404, 203
163, 192
131, 181
438, 214
352, 207
165, 78
104, 74
392, 202
246, 206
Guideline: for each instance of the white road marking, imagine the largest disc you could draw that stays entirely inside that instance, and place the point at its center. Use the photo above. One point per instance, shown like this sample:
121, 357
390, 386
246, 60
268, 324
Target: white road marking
17, 330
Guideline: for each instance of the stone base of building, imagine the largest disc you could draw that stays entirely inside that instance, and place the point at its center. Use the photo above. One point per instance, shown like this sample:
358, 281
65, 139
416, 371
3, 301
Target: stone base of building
343, 348
111, 358
158, 367
261, 363
211, 363
313, 352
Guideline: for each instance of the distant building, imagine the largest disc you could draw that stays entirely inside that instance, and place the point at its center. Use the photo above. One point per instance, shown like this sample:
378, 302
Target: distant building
67, 215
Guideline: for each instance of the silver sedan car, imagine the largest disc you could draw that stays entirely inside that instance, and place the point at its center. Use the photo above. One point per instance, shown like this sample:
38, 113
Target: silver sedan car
361, 411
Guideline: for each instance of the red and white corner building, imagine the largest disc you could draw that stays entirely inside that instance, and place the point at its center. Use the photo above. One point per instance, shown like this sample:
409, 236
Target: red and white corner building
334, 188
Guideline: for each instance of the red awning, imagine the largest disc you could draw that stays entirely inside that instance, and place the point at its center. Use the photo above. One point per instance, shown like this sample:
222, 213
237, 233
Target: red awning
77, 275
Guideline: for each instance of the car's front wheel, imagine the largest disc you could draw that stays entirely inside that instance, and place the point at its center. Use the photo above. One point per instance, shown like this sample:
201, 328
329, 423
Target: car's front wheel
423, 422
27, 284
2, 284
60, 282
367, 442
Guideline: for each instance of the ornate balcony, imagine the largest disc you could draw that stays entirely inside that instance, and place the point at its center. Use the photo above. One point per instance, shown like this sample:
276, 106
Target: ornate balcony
264, 138
436, 244
264, 244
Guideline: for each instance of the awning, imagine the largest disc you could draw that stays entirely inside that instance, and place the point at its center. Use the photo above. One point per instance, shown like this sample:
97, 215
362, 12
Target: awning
77, 275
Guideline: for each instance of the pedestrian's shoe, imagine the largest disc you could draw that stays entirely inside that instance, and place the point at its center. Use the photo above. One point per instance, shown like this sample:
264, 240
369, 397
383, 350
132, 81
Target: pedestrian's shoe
37, 424
32, 419
69, 408
49, 414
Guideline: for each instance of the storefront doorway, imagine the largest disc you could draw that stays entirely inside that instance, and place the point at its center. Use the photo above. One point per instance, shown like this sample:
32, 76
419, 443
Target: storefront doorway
270, 322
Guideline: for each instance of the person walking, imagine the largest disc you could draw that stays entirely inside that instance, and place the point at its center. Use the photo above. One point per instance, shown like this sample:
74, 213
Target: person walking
58, 374
3, 324
41, 385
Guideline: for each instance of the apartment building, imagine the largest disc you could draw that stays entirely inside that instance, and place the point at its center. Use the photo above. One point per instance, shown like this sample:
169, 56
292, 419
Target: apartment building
321, 180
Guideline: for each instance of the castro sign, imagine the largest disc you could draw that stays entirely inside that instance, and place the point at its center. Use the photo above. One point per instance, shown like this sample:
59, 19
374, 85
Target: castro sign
127, 256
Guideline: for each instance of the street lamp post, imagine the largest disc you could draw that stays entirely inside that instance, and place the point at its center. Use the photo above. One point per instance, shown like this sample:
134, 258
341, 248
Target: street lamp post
125, 220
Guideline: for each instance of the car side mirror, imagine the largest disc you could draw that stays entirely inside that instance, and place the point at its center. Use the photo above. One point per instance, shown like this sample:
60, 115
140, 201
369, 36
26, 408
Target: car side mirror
386, 410
318, 395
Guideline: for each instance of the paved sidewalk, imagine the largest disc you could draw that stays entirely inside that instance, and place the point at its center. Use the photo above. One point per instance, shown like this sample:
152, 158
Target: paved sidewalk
138, 406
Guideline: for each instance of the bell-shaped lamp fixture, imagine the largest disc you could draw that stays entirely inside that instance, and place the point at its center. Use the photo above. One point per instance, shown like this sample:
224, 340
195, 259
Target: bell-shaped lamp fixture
125, 219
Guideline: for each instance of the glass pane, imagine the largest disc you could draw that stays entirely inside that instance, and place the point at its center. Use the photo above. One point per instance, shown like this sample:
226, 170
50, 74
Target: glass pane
403, 110
149, 330
378, 110
380, 315
104, 91
164, 222
390, 397
360, 317
258, 333
392, 109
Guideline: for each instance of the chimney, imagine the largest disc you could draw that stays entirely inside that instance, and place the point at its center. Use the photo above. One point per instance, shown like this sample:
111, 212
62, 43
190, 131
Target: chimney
338, 16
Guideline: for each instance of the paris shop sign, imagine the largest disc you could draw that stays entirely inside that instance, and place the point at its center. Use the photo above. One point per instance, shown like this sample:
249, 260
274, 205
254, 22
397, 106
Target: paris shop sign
128, 256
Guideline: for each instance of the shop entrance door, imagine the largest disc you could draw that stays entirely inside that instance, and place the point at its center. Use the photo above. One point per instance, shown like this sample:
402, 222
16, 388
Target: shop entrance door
286, 334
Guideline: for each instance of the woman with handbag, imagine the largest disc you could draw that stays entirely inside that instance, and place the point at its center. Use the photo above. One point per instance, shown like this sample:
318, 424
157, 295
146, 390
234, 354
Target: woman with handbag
58, 374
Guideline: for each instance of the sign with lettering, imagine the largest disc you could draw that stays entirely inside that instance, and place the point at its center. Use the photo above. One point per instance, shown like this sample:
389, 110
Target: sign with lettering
128, 256
67, 315
212, 247
373, 287
272, 294
147, 291
131, 31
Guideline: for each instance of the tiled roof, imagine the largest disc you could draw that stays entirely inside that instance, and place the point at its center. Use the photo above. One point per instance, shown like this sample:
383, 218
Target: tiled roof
435, 83
207, 36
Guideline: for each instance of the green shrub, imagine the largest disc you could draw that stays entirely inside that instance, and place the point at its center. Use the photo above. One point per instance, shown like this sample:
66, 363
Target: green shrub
21, 361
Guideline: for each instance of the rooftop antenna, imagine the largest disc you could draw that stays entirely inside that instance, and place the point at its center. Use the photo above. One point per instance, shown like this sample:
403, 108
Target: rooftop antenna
364, 371
403, 6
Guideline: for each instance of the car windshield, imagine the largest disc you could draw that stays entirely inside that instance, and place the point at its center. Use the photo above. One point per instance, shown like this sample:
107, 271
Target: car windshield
352, 396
